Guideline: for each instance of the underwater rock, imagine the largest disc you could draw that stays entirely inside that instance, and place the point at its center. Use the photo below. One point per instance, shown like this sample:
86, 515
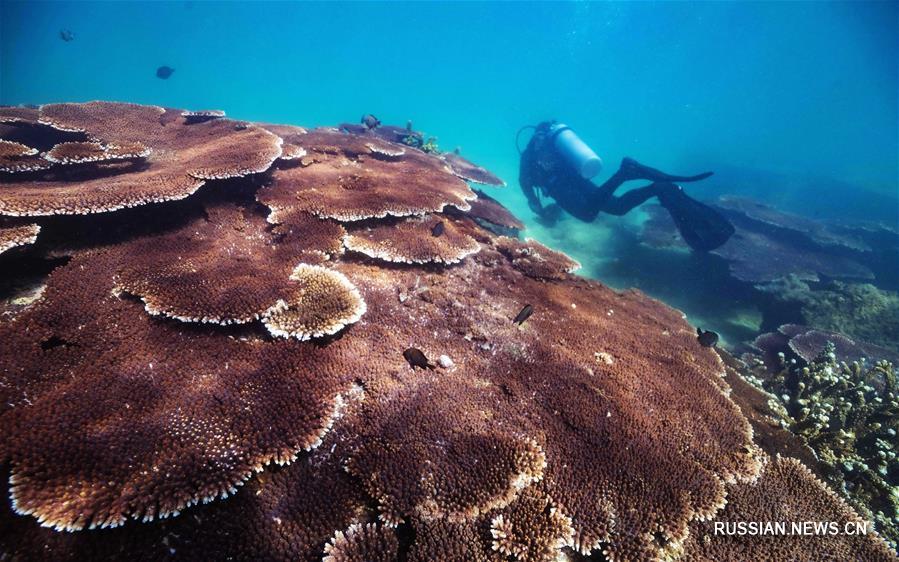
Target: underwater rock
823, 233
527, 446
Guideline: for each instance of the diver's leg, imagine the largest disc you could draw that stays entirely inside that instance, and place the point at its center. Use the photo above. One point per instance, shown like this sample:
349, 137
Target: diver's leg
702, 227
622, 204
633, 170
630, 169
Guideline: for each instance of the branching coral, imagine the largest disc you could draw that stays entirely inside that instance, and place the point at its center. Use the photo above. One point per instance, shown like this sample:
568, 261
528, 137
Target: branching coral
849, 415
859, 310
532, 529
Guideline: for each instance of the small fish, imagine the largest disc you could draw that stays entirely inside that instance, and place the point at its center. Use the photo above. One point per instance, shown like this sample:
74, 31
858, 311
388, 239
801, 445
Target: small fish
706, 338
370, 121
416, 358
163, 72
523, 315
437, 229
66, 35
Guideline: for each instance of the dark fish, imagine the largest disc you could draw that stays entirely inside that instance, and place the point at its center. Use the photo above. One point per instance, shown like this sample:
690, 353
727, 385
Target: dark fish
706, 338
437, 229
164, 72
370, 121
66, 35
416, 358
523, 315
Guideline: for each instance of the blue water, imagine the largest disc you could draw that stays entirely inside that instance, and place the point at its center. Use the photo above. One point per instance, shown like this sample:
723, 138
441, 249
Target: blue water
803, 92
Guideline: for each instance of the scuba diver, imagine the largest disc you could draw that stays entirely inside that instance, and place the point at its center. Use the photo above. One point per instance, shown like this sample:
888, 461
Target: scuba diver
557, 164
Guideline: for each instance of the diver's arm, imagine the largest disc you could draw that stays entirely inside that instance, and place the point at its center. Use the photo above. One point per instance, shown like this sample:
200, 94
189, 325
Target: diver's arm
533, 201
525, 180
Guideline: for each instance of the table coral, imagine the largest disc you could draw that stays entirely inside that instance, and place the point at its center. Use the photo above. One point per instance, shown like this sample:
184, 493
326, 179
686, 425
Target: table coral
414, 241
525, 443
347, 180
762, 502
181, 158
16, 157
226, 268
471, 172
21, 235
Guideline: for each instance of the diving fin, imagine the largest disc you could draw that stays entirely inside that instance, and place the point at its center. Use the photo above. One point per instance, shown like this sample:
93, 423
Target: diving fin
701, 226
633, 170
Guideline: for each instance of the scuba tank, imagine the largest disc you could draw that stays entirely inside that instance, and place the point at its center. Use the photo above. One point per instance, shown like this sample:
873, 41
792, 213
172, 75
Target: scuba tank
575, 152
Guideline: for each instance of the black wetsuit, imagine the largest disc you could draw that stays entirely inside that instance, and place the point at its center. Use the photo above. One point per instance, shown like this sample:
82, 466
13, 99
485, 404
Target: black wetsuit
542, 168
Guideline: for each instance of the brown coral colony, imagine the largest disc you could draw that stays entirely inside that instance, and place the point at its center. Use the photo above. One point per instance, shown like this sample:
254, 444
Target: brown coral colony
248, 342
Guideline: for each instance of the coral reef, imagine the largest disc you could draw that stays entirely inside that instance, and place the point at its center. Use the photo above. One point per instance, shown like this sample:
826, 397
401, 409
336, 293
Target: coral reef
21, 235
795, 341
848, 413
858, 310
347, 181
471, 172
414, 241
761, 502
181, 158
770, 245
17, 157
225, 267
600, 427
490, 214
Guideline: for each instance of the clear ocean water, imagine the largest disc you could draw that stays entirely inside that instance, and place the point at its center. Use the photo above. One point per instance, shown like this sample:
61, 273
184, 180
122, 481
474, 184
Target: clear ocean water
794, 104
